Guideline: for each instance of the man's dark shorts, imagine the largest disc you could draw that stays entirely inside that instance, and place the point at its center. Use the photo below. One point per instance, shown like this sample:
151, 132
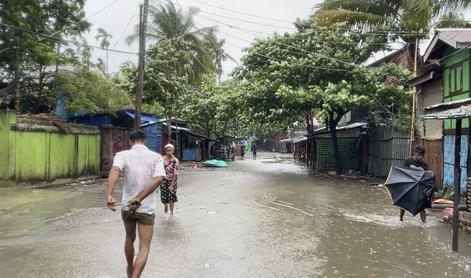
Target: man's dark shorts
139, 217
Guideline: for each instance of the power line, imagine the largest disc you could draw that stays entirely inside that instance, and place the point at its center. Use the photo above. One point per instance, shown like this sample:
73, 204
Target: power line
50, 37
230, 35
125, 28
253, 32
249, 21
244, 13
317, 28
85, 18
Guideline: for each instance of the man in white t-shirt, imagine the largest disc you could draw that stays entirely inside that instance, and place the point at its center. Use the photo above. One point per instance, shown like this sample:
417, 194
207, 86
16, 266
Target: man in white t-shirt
143, 172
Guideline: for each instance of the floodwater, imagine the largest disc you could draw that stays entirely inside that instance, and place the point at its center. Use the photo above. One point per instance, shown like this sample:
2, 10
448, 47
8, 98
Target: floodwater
263, 218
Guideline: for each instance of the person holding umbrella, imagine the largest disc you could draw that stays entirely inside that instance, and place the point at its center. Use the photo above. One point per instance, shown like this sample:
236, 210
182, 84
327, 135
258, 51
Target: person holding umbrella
415, 162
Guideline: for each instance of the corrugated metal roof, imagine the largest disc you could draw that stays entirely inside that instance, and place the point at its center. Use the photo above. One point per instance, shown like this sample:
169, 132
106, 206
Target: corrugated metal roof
454, 113
454, 37
350, 126
450, 110
145, 118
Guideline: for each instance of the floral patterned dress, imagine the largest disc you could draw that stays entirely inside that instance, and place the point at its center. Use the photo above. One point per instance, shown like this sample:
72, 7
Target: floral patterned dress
166, 196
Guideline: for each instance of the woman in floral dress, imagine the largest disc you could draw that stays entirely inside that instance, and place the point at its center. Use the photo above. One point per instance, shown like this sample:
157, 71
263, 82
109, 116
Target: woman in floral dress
168, 190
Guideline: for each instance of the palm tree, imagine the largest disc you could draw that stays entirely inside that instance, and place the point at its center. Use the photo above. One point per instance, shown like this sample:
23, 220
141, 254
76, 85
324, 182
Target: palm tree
167, 22
412, 19
215, 47
104, 43
173, 27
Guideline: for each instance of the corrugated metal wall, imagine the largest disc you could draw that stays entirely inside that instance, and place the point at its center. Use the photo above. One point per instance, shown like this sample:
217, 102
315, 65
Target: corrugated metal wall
387, 148
41, 152
449, 160
154, 137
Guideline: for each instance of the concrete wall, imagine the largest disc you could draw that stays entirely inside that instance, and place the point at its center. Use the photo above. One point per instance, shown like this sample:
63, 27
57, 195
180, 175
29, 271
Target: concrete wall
41, 152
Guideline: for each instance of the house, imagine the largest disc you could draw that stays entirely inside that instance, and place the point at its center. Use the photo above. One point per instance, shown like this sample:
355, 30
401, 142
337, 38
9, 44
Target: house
444, 79
189, 145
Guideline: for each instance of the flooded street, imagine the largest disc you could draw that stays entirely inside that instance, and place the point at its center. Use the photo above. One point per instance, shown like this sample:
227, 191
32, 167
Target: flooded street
263, 218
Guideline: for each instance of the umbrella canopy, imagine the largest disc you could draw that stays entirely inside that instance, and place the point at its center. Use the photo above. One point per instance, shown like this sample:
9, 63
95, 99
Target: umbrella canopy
411, 189
215, 163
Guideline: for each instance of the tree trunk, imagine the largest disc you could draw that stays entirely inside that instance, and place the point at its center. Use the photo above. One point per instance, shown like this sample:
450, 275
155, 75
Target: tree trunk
332, 125
16, 86
309, 123
335, 146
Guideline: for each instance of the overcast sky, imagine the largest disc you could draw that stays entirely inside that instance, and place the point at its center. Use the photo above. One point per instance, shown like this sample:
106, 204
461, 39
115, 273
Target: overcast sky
238, 22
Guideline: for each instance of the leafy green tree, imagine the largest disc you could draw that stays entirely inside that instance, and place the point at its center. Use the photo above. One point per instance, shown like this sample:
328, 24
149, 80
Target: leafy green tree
87, 90
216, 109
25, 50
163, 83
296, 76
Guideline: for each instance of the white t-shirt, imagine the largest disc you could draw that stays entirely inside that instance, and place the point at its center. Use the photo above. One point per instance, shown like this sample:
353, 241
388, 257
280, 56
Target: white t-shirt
139, 166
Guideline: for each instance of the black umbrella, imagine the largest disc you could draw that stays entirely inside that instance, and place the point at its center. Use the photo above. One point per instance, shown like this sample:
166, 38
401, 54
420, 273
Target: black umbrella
411, 189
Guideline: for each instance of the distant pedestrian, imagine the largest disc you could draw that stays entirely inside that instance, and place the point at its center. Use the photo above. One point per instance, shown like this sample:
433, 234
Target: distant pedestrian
254, 151
168, 191
242, 151
416, 162
143, 172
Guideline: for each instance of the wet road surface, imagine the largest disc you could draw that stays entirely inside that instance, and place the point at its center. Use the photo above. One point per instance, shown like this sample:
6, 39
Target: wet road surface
263, 218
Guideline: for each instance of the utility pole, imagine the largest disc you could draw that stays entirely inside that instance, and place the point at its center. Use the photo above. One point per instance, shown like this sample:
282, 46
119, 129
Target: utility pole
143, 9
414, 97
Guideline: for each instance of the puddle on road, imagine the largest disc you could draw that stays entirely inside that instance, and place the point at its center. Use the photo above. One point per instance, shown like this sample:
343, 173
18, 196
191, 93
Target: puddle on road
267, 218
24, 211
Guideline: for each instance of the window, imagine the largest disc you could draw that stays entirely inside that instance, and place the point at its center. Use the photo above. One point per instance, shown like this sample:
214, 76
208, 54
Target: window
455, 78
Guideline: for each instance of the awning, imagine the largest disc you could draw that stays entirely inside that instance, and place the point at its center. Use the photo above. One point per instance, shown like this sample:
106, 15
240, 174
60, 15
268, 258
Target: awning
450, 110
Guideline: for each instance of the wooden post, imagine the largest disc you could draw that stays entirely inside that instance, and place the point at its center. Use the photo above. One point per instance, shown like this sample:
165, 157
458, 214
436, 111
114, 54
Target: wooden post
457, 183
414, 98
140, 67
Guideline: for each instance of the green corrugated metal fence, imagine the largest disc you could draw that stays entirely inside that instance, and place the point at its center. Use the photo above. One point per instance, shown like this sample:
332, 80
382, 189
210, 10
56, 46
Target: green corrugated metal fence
40, 151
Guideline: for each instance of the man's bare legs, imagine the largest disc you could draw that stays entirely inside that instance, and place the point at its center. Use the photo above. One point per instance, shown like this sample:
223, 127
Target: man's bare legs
401, 214
423, 216
145, 238
130, 227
